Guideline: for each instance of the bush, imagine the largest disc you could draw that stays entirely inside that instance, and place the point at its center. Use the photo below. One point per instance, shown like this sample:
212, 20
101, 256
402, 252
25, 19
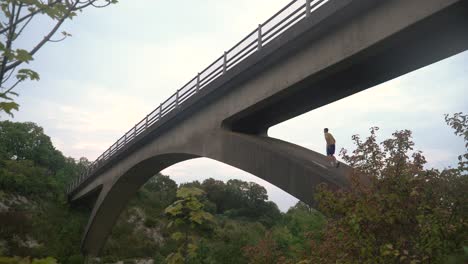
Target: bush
76, 259
407, 214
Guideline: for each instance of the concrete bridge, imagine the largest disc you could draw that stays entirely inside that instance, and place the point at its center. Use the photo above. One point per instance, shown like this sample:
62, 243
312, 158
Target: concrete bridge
309, 54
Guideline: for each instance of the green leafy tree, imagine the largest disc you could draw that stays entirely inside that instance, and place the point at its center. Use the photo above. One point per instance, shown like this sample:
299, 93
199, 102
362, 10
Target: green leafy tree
29, 162
27, 141
407, 214
15, 17
459, 123
187, 215
162, 188
231, 237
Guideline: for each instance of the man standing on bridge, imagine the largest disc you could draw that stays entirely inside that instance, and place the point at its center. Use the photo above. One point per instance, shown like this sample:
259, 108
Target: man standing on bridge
331, 148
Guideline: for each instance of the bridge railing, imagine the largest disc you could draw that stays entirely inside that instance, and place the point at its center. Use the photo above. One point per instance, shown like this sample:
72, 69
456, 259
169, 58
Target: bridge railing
289, 15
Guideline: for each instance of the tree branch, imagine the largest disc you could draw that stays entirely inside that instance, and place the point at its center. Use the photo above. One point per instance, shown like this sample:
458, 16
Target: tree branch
58, 40
44, 40
22, 28
30, 15
9, 40
11, 88
8, 77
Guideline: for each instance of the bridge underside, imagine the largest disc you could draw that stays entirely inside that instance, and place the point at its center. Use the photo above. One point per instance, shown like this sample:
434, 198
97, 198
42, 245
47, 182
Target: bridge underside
356, 45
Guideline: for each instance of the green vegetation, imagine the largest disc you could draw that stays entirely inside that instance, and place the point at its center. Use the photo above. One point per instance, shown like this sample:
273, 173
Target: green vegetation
17, 260
15, 17
37, 221
407, 214
189, 222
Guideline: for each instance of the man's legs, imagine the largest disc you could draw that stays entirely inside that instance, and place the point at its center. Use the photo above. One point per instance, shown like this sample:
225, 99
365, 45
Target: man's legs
330, 151
335, 162
331, 157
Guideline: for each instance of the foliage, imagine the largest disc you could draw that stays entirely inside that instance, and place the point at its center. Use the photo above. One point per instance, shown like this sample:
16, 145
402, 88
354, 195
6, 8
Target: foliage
17, 260
288, 240
459, 123
407, 214
34, 173
187, 214
242, 200
264, 252
30, 164
229, 239
15, 17
160, 191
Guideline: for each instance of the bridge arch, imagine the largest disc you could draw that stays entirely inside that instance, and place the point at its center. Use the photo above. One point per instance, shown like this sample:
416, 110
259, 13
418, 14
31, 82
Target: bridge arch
292, 168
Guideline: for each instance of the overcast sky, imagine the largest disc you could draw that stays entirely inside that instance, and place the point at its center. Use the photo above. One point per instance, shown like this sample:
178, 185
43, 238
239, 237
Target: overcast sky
122, 61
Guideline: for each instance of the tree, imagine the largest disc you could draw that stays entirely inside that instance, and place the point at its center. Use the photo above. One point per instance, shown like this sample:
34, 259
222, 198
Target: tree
27, 141
459, 123
163, 189
408, 214
187, 214
15, 16
266, 251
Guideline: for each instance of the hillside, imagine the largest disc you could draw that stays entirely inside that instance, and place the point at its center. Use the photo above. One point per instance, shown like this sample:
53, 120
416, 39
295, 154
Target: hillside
408, 214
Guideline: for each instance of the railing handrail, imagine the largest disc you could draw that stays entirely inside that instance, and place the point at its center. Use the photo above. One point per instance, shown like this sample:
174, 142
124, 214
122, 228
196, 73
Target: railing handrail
229, 59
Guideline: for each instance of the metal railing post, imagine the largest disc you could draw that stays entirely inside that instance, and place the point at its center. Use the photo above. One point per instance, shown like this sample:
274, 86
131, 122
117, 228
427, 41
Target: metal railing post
160, 111
177, 98
307, 8
224, 62
198, 82
260, 36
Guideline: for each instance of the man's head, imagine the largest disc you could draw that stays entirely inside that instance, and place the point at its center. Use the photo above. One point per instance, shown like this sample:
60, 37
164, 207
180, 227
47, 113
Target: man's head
325, 130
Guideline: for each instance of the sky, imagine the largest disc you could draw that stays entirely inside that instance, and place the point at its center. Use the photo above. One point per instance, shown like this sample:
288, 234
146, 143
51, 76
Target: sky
123, 60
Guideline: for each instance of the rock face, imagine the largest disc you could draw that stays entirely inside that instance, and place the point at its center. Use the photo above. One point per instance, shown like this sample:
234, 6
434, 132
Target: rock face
13, 208
14, 202
138, 217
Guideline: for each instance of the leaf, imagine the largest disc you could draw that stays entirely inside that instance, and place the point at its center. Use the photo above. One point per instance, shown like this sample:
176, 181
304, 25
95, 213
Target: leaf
23, 55
66, 34
177, 236
24, 74
197, 217
194, 205
8, 107
4, 96
187, 192
192, 249
174, 209
5, 10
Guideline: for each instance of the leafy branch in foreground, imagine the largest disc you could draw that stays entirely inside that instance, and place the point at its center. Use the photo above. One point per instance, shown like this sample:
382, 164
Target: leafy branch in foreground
15, 17
188, 214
